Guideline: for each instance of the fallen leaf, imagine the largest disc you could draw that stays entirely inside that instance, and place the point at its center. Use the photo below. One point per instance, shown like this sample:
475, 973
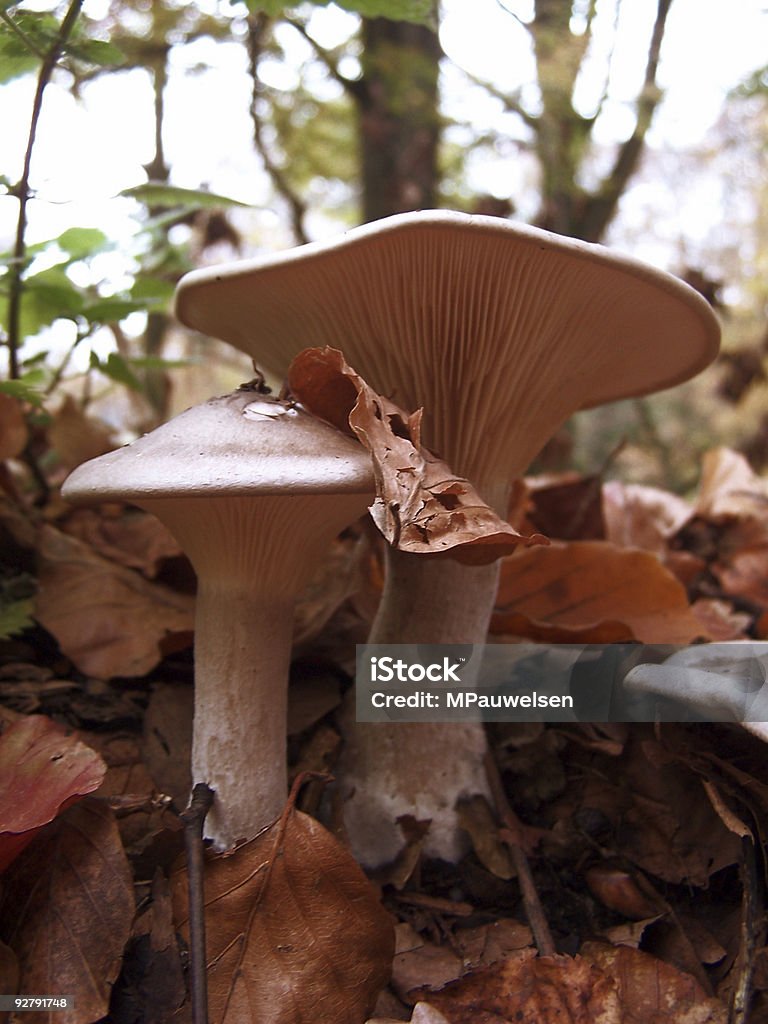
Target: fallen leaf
567, 507
616, 889
719, 620
476, 818
296, 933
589, 588
651, 991
42, 771
487, 943
77, 437
13, 427
66, 912
421, 506
643, 517
423, 965
167, 740
124, 535
106, 618
531, 990
729, 488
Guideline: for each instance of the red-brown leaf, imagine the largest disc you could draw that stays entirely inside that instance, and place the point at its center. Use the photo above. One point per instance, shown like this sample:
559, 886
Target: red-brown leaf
42, 771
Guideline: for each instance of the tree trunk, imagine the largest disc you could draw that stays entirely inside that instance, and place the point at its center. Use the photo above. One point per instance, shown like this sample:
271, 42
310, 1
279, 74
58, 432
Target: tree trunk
398, 117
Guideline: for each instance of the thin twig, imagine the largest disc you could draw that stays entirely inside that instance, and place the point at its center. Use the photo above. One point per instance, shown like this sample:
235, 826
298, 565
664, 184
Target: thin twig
751, 927
511, 835
21, 191
193, 818
257, 25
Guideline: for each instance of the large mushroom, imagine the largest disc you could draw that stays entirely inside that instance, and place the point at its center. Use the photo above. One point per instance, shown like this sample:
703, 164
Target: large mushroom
500, 332
253, 489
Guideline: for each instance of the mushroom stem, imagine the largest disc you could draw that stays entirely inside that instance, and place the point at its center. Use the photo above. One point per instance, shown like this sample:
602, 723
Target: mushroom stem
239, 741
432, 601
402, 768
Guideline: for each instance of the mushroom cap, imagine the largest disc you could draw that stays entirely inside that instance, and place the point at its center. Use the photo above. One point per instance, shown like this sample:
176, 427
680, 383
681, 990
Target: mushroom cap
244, 443
494, 328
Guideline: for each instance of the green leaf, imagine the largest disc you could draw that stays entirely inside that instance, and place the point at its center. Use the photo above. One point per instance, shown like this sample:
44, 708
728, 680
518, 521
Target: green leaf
158, 194
396, 10
24, 36
110, 311
96, 51
15, 617
153, 291
28, 388
117, 369
81, 242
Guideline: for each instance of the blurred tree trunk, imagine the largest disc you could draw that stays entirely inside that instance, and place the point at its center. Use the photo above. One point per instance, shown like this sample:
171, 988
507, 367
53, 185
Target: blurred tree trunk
399, 123
563, 137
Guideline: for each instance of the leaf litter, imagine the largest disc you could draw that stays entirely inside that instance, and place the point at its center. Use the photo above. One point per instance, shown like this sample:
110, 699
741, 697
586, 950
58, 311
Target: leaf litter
627, 817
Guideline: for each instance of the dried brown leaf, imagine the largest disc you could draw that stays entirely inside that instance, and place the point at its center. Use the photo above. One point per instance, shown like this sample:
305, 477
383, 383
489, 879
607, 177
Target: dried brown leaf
107, 619
129, 537
651, 991
296, 933
66, 912
77, 437
530, 990
421, 506
476, 818
616, 889
642, 517
596, 592
42, 771
729, 488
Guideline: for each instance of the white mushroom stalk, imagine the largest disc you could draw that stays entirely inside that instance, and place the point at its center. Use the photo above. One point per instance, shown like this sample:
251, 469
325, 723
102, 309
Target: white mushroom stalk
499, 332
253, 490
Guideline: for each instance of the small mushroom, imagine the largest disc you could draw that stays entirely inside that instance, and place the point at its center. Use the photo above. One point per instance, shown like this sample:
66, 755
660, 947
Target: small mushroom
500, 332
253, 489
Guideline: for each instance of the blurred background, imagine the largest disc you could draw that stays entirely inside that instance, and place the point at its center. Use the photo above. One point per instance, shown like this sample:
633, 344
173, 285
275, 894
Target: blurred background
142, 139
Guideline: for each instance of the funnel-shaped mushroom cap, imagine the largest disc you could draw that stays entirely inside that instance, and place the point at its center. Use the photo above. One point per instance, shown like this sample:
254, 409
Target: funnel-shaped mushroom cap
497, 330
244, 443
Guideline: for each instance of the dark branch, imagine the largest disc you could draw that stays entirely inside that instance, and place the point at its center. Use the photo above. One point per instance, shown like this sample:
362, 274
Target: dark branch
257, 27
22, 193
356, 88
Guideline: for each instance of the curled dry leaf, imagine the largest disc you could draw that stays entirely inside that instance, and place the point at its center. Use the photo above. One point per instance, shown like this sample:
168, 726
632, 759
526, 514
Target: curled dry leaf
594, 592
421, 506
296, 933
66, 912
107, 619
127, 536
42, 771
77, 437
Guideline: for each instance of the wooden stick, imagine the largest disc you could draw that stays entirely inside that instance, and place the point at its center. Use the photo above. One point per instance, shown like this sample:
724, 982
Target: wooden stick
193, 818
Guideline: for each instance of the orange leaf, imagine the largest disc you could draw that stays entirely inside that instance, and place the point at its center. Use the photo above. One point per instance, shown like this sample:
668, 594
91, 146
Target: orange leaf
596, 589
296, 933
42, 771
421, 506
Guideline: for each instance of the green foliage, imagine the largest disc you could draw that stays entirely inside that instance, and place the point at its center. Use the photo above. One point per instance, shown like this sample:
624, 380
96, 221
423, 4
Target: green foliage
27, 388
160, 194
15, 617
421, 11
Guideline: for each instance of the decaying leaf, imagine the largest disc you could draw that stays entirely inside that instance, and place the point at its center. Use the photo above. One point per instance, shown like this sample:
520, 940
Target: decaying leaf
421, 506
107, 619
651, 991
42, 771
296, 933
528, 990
66, 912
476, 818
594, 592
